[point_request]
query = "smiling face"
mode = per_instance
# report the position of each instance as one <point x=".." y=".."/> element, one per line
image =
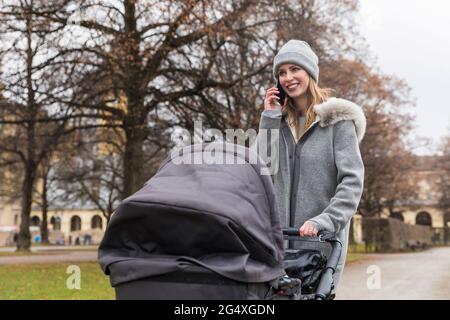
<point x="293" y="79"/>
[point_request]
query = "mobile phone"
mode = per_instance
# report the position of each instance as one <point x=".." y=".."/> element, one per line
<point x="282" y="94"/>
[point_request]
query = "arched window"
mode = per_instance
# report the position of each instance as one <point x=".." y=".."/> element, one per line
<point x="397" y="215"/>
<point x="423" y="218"/>
<point x="96" y="222"/>
<point x="35" y="221"/>
<point x="75" y="223"/>
<point x="16" y="219"/>
<point x="56" y="223"/>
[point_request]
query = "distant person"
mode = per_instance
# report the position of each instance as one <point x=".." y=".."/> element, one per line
<point x="87" y="240"/>
<point x="77" y="241"/>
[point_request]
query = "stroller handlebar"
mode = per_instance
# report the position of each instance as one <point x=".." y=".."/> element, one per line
<point x="322" y="235"/>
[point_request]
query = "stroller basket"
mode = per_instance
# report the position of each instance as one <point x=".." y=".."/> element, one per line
<point x="311" y="266"/>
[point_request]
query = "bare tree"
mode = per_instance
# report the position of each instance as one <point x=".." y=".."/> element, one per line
<point x="91" y="173"/>
<point x="46" y="194"/>
<point x="147" y="57"/>
<point x="388" y="108"/>
<point x="26" y="132"/>
<point x="240" y="64"/>
<point x="41" y="197"/>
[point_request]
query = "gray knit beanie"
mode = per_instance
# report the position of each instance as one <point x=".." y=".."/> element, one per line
<point x="300" y="53"/>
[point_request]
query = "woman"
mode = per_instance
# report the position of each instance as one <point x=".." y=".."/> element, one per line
<point x="319" y="179"/>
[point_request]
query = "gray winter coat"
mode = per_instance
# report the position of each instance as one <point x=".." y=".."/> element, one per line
<point x="321" y="177"/>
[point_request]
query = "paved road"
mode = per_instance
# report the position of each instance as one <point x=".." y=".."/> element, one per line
<point x="50" y="254"/>
<point x="51" y="248"/>
<point x="50" y="258"/>
<point x="404" y="276"/>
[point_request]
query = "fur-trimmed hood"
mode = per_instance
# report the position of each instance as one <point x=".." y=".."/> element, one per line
<point x="335" y="109"/>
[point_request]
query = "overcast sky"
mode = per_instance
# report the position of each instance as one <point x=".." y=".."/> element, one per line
<point x="411" y="39"/>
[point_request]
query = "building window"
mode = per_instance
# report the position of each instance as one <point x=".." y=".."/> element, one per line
<point x="35" y="221"/>
<point x="56" y="223"/>
<point x="75" y="223"/>
<point x="423" y="218"/>
<point x="16" y="219"/>
<point x="96" y="222"/>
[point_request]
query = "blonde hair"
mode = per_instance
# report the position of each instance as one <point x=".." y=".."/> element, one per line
<point x="315" y="95"/>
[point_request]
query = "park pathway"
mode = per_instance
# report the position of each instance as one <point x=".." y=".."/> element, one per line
<point x="402" y="276"/>
<point x="50" y="254"/>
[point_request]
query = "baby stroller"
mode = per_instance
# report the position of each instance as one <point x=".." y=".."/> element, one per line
<point x="205" y="227"/>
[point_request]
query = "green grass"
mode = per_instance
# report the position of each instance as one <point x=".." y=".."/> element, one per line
<point x="360" y="248"/>
<point x="351" y="257"/>
<point x="47" y="281"/>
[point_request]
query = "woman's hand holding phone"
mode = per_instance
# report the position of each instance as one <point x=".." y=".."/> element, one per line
<point x="271" y="100"/>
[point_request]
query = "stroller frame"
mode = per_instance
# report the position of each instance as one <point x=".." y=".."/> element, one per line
<point x="324" y="290"/>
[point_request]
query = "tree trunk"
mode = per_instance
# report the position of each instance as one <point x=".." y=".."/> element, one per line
<point x="135" y="121"/>
<point x="44" y="225"/>
<point x="133" y="160"/>
<point x="351" y="239"/>
<point x="24" y="240"/>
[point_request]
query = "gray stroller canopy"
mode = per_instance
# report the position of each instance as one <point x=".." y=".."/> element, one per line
<point x="218" y="216"/>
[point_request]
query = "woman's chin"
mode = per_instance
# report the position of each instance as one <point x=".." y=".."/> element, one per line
<point x="296" y="94"/>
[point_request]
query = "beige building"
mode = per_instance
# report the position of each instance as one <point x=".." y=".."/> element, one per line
<point x="64" y="225"/>
<point x="68" y="226"/>
<point x="426" y="209"/>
